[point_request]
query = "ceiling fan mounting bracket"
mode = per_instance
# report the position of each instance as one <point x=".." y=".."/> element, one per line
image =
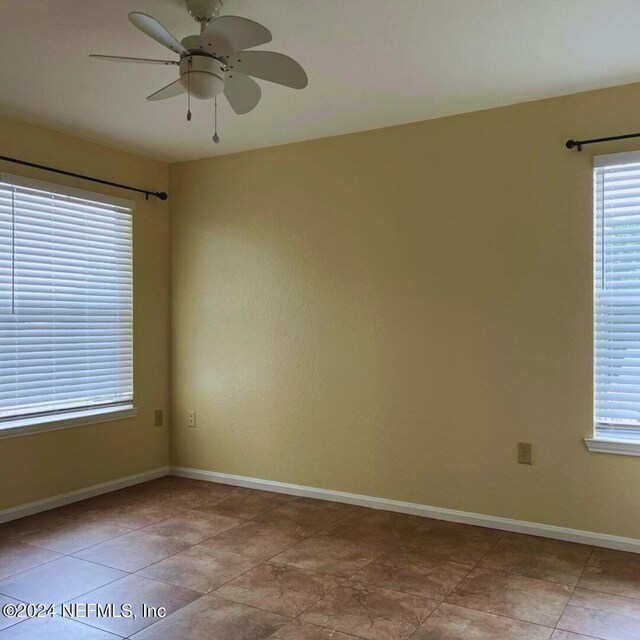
<point x="204" y="11"/>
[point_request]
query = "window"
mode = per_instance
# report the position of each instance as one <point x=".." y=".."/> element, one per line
<point x="617" y="298"/>
<point x="65" y="303"/>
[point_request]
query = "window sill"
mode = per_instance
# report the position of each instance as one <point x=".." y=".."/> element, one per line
<point x="30" y="426"/>
<point x="613" y="445"/>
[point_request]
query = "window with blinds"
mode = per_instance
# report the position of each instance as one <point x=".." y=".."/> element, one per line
<point x="617" y="296"/>
<point x="65" y="301"/>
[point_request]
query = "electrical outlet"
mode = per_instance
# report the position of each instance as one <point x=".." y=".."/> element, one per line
<point x="191" y="419"/>
<point x="525" y="453"/>
<point x="158" y="418"/>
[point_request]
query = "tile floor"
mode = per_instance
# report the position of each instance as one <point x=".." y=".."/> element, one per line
<point x="237" y="564"/>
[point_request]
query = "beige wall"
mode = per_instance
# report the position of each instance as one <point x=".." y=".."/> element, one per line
<point x="388" y="312"/>
<point x="47" y="464"/>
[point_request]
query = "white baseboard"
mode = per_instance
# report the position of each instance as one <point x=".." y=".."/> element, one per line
<point x="438" y="513"/>
<point x="79" y="494"/>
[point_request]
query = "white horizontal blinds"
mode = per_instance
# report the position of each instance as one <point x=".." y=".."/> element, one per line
<point x="65" y="302"/>
<point x="617" y="297"/>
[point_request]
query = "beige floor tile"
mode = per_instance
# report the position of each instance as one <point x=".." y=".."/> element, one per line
<point x="7" y="621"/>
<point x="410" y="571"/>
<point x="186" y="493"/>
<point x="450" y="541"/>
<point x="58" y="581"/>
<point x="199" y="568"/>
<point x="136" y="591"/>
<point x="513" y="596"/>
<point x="128" y="515"/>
<point x="55" y="629"/>
<point x="466" y="532"/>
<point x="257" y="540"/>
<point x="278" y="588"/>
<point x="567" y="635"/>
<point x="450" y="622"/>
<point x="189" y="499"/>
<point x="211" y="618"/>
<point x="133" y="551"/>
<point x="303" y="631"/>
<point x="613" y="572"/>
<point x="602" y="616"/>
<point x="376" y="527"/>
<point x="74" y="535"/>
<point x="31" y="524"/>
<point x="247" y="504"/>
<point x="538" y="558"/>
<point x="16" y="556"/>
<point x="328" y="555"/>
<point x="370" y="612"/>
<point x="193" y="527"/>
<point x="308" y="516"/>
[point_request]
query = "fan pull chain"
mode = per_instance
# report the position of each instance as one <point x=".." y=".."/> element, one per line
<point x="189" y="92"/>
<point x="216" y="137"/>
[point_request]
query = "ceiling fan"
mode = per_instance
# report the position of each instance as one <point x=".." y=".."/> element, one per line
<point x="218" y="60"/>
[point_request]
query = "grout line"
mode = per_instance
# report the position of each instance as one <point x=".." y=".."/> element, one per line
<point x="90" y="626"/>
<point x="522" y="575"/>
<point x="500" y="615"/>
<point x="70" y="554"/>
<point x="420" y="625"/>
<point x="6" y="595"/>
<point x="573" y="588"/>
<point x="492" y="613"/>
<point x="17" y="573"/>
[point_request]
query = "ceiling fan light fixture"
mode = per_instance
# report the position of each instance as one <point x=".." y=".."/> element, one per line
<point x="202" y="76"/>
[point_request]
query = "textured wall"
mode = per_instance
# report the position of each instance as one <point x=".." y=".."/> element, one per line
<point x="388" y="312"/>
<point x="47" y="464"/>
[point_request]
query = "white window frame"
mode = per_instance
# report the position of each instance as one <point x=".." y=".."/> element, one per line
<point x="30" y="425"/>
<point x="608" y="440"/>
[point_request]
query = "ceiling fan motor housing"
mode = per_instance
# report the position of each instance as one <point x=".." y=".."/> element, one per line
<point x="204" y="10"/>
<point x="202" y="75"/>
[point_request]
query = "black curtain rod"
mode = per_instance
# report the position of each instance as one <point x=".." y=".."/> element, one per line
<point x="158" y="194"/>
<point x="572" y="144"/>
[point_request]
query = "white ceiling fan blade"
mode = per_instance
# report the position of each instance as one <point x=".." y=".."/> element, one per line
<point x="232" y="33"/>
<point x="151" y="27"/>
<point x="271" y="66"/>
<point x="170" y="91"/>
<point x="243" y="92"/>
<point x="138" y="60"/>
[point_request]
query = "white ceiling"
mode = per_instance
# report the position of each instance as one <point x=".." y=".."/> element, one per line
<point x="371" y="63"/>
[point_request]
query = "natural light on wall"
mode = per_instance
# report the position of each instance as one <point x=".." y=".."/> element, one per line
<point x="66" y="301"/>
<point x="617" y="297"/>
